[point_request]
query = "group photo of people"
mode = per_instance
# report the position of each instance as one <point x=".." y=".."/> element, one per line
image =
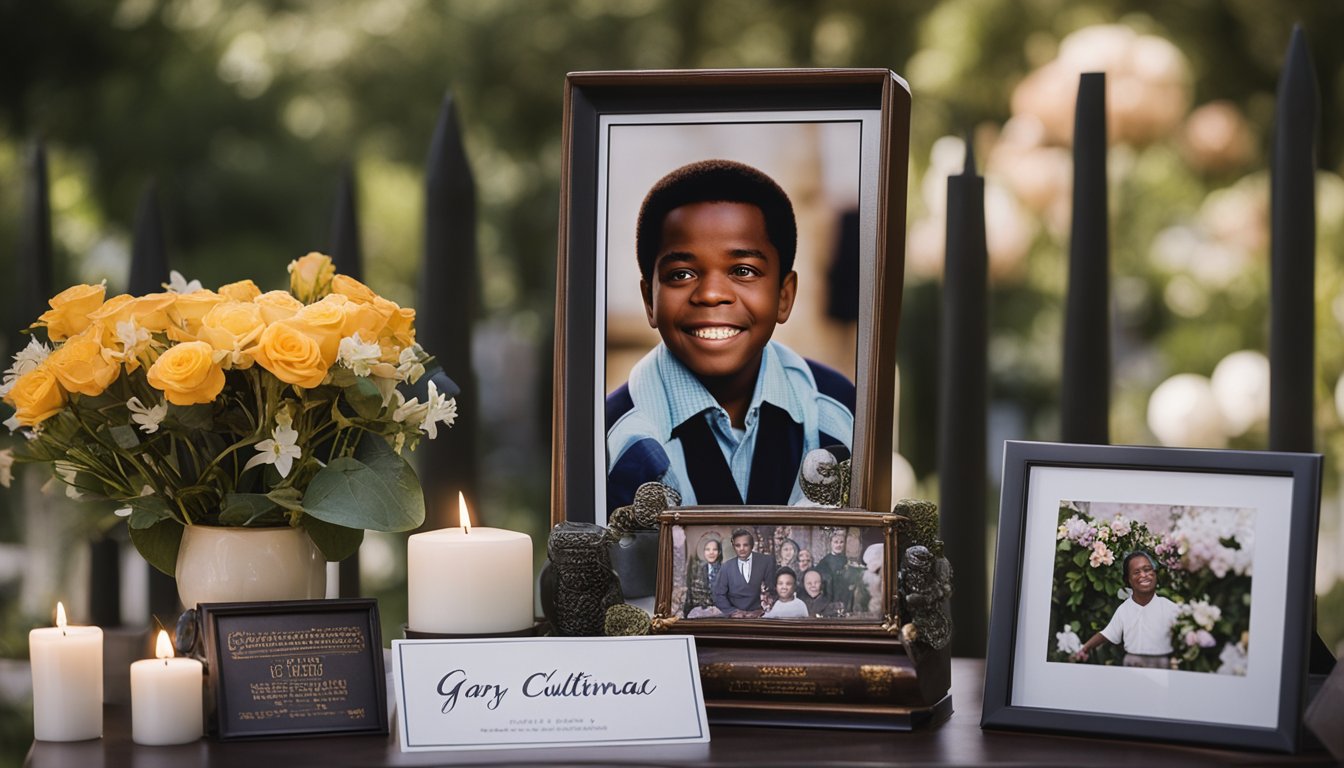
<point x="777" y="572"/>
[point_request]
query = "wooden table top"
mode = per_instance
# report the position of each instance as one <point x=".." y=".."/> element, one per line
<point x="957" y="741"/>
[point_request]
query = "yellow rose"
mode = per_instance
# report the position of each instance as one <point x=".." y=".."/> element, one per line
<point x="400" y="326"/>
<point x="187" y="374"/>
<point x="36" y="396"/>
<point x="292" y="355"/>
<point x="363" y="319"/>
<point x="277" y="305"/>
<point x="243" y="290"/>
<point x="187" y="312"/>
<point x="353" y="289"/>
<point x="151" y="311"/>
<point x="323" y="320"/>
<point x="69" y="313"/>
<point x="113" y="311"/>
<point x="310" y="277"/>
<point x="232" y="327"/>
<point x="79" y="364"/>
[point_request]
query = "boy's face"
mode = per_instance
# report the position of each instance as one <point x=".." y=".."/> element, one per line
<point x="837" y="543"/>
<point x="784" y="587"/>
<point x="742" y="546"/>
<point x="1142" y="576"/>
<point x="804" y="559"/>
<point x="711" y="551"/>
<point x="717" y="291"/>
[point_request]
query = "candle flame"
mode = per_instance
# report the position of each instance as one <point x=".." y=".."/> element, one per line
<point x="462" y="510"/>
<point x="60" y="615"/>
<point x="163" y="647"/>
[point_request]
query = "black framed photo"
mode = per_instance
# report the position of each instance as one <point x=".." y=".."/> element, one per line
<point x="295" y="668"/>
<point x="730" y="269"/>
<point x="756" y="574"/>
<point x="1153" y="593"/>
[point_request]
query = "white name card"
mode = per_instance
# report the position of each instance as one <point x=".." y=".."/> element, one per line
<point x="547" y="692"/>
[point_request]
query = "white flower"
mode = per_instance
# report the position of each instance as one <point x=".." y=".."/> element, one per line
<point x="440" y="409"/>
<point x="68" y="473"/>
<point x="178" y="284"/>
<point x="1121" y="525"/>
<point x="279" y="451"/>
<point x="1205" y="614"/>
<point x="132" y="338"/>
<point x="408" y="411"/>
<point x="1234" y="660"/>
<point x="6" y="467"/>
<point x="358" y="355"/>
<point x="1068" y="641"/>
<point x="25" y="360"/>
<point x="125" y="511"/>
<point x="147" y="417"/>
<point x="409" y="367"/>
<point x="1101" y="555"/>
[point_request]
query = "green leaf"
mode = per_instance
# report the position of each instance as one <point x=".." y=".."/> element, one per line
<point x="149" y="511"/>
<point x="125" y="436"/>
<point x="364" y="397"/>
<point x="1064" y="545"/>
<point x="158" y="544"/>
<point x="250" y="509"/>
<point x="191" y="417"/>
<point x="376" y="489"/>
<point x="288" y="498"/>
<point x="337" y="542"/>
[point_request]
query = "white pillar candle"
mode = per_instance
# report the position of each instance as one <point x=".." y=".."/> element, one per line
<point x="469" y="581"/>
<point x="166" y="698"/>
<point x="67" y="681"/>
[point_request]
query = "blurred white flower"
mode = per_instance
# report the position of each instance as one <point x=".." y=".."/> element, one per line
<point x="1067" y="641"/>
<point x="1234" y="659"/>
<point x="148" y="417"/>
<point x="358" y="355"/>
<point x="1217" y="137"/>
<point x="1182" y="412"/>
<point x="1101" y="555"/>
<point x="1240" y="384"/>
<point x="25" y="360"/>
<point x="179" y="284"/>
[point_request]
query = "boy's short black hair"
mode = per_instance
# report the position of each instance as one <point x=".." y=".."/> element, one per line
<point x="1124" y="566"/>
<point x="715" y="181"/>
<point x="786" y="571"/>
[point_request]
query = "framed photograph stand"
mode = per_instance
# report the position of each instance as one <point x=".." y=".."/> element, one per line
<point x="828" y="650"/>
<point x="1153" y="594"/>
<point x="295" y="668"/>
<point x="834" y="145"/>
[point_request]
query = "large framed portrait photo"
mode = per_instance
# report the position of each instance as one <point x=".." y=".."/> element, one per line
<point x="1153" y="593"/>
<point x="720" y="230"/>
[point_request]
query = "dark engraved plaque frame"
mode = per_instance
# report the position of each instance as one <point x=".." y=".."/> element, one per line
<point x="325" y="650"/>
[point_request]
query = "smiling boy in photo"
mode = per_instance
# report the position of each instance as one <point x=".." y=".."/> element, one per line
<point x="717" y="410"/>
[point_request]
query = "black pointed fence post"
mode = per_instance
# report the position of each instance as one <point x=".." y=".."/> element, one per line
<point x="1085" y="377"/>
<point x="346" y="255"/>
<point x="149" y="271"/>
<point x="344" y="241"/>
<point x="446" y="308"/>
<point x="962" y="404"/>
<point x="1292" y="256"/>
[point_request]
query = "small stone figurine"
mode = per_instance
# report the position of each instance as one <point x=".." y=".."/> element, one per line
<point x="578" y="584"/>
<point x="926" y="584"/>
<point x="651" y="499"/>
<point x="824" y="476"/>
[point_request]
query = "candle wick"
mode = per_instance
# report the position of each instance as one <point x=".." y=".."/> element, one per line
<point x="63" y="633"/>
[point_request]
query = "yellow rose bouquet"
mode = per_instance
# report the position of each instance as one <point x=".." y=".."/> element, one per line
<point x="233" y="407"/>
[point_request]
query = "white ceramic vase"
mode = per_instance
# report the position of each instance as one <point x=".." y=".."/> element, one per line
<point x="225" y="565"/>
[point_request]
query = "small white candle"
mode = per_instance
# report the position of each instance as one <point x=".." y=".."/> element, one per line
<point x="166" y="698"/>
<point x="67" y="681"/>
<point x="469" y="581"/>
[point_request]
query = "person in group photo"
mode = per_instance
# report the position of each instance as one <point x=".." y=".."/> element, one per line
<point x="804" y="560"/>
<point x="717" y="410"/>
<point x="813" y="592"/>
<point x="1142" y="624"/>
<point x="744" y="580"/>
<point x="787" y="604"/>
<point x="701" y="573"/>
<point x="786" y="552"/>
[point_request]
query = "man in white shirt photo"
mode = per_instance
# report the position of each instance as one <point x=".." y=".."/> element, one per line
<point x="1142" y="624"/>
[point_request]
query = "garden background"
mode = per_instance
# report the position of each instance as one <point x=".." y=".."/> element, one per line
<point x="246" y="114"/>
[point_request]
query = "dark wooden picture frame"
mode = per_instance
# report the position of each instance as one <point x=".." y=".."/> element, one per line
<point x="347" y="665"/>
<point x="871" y="527"/>
<point x="578" y="467"/>
<point x="1259" y="709"/>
